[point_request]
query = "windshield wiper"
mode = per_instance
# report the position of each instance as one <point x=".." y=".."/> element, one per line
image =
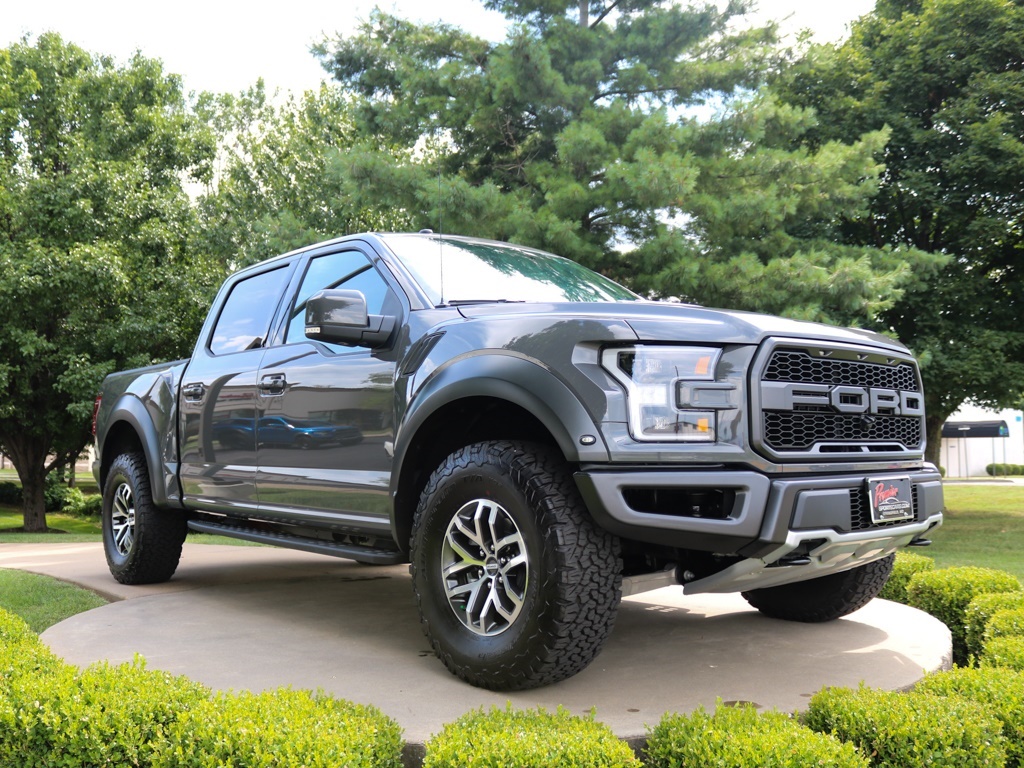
<point x="465" y="302"/>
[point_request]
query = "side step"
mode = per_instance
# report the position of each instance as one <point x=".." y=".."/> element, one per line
<point x="372" y="555"/>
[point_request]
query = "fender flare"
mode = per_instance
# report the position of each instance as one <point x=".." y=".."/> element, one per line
<point x="130" y="410"/>
<point x="515" y="379"/>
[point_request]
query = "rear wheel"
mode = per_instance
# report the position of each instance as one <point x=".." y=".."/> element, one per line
<point x="142" y="542"/>
<point x="516" y="586"/>
<point x="825" y="598"/>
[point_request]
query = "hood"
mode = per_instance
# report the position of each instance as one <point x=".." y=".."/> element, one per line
<point x="659" y="321"/>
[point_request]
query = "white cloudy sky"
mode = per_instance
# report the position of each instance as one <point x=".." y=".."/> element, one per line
<point x="225" y="46"/>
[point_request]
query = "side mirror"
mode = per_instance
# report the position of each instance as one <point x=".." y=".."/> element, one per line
<point x="340" y="317"/>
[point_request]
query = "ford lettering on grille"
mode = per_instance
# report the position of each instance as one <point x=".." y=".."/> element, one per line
<point x="825" y="401"/>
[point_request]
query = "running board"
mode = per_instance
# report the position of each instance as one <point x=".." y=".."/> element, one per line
<point x="371" y="555"/>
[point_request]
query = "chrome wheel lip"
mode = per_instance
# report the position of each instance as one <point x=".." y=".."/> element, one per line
<point x="122" y="520"/>
<point x="485" y="568"/>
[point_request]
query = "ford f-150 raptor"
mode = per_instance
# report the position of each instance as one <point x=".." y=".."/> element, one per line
<point x="534" y="439"/>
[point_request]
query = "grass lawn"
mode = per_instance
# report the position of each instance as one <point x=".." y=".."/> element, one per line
<point x="43" y="601"/>
<point x="984" y="525"/>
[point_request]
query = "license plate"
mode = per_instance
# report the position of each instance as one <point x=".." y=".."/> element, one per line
<point x="890" y="499"/>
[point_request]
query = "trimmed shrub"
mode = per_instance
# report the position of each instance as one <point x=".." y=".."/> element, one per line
<point x="1000" y="691"/>
<point x="897" y="730"/>
<point x="947" y="592"/>
<point x="10" y="493"/>
<point x="741" y="738"/>
<point x="78" y="504"/>
<point x="1008" y="622"/>
<point x="1006" y="652"/>
<point x="980" y="610"/>
<point x="105" y="715"/>
<point x="527" y="739"/>
<point x="1001" y="470"/>
<point x="281" y="729"/>
<point x="903" y="569"/>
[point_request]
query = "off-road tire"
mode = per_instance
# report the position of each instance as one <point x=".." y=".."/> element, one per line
<point x="152" y="553"/>
<point x="571" y="578"/>
<point x="825" y="598"/>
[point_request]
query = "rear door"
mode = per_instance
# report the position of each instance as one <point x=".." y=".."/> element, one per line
<point x="325" y="426"/>
<point x="218" y="396"/>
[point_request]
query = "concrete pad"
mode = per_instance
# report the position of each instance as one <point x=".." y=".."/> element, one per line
<point x="257" y="618"/>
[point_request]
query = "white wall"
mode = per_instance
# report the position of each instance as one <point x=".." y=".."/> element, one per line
<point x="968" y="457"/>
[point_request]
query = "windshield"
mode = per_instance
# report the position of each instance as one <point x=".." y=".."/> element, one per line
<point x="455" y="270"/>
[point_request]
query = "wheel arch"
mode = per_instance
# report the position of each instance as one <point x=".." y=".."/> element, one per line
<point x="492" y="397"/>
<point x="131" y="429"/>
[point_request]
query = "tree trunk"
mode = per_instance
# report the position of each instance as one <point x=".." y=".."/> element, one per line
<point x="28" y="455"/>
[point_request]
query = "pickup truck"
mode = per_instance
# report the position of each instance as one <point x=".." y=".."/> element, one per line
<point x="535" y="440"/>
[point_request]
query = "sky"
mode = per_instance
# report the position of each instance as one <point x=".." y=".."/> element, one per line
<point x="216" y="47"/>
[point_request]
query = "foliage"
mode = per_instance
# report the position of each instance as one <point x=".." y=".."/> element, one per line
<point x="627" y="136"/>
<point x="526" y="739"/>
<point x="1008" y="622"/>
<point x="279" y="184"/>
<point x="281" y="729"/>
<point x="1005" y="652"/>
<point x="947" y="78"/>
<point x="999" y="691"/>
<point x="10" y="493"/>
<point x="902" y="729"/>
<point x="1002" y="470"/>
<point x="903" y="569"/>
<point x="980" y="610"/>
<point x="947" y="592"/>
<point x="741" y="738"/>
<point x="95" y="271"/>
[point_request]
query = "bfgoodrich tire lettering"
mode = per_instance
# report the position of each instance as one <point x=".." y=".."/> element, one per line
<point x="825" y="598"/>
<point x="142" y="542"/>
<point x="516" y="586"/>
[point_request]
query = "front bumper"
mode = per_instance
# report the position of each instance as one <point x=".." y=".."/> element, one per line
<point x="759" y="519"/>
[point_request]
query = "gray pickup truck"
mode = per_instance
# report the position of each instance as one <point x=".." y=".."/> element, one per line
<point x="534" y="439"/>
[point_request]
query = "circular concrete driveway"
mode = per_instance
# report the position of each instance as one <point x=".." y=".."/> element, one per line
<point x="256" y="618"/>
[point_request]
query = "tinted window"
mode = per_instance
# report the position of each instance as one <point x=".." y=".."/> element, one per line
<point x="349" y="270"/>
<point x="453" y="270"/>
<point x="246" y="316"/>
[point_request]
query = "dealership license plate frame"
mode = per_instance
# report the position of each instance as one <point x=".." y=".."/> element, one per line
<point x="891" y="499"/>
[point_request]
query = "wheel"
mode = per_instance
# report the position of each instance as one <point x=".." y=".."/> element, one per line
<point x="517" y="587"/>
<point x="825" y="598"/>
<point x="141" y="541"/>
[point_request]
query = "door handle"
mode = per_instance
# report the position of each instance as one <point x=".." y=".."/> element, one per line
<point x="193" y="392"/>
<point x="273" y="384"/>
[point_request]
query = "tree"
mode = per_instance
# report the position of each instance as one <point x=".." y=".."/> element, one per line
<point x="95" y="272"/>
<point x="277" y="186"/>
<point x="628" y="135"/>
<point x="947" y="77"/>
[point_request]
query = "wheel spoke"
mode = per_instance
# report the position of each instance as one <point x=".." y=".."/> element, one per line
<point x="484" y="567"/>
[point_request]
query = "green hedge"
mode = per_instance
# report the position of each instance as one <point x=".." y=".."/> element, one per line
<point x="10" y="493"/>
<point x="1000" y="691"/>
<point x="1002" y="470"/>
<point x="741" y="738"/>
<point x="1008" y="622"/>
<point x="898" y="730"/>
<point x="906" y="565"/>
<point x="280" y="729"/>
<point x="978" y="613"/>
<point x="527" y="739"/>
<point x="947" y="592"/>
<point x="1005" y="652"/>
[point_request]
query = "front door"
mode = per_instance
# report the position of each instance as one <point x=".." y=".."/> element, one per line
<point x="325" y="412"/>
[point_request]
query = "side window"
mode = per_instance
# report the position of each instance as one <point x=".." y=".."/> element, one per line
<point x="349" y="270"/>
<point x="245" y="318"/>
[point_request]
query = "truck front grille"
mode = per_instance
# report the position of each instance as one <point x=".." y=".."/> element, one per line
<point x="833" y="401"/>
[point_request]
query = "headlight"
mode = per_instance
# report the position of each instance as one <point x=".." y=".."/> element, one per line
<point x="654" y="377"/>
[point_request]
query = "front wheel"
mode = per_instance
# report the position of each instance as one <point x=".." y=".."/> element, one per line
<point x="825" y="598"/>
<point x="142" y="543"/>
<point x="516" y="585"/>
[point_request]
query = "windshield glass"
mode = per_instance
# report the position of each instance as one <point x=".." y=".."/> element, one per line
<point x="452" y="270"/>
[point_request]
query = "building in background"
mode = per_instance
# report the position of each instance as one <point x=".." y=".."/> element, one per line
<point x="975" y="437"/>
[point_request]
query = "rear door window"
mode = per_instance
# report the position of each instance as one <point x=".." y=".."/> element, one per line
<point x="245" y="319"/>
